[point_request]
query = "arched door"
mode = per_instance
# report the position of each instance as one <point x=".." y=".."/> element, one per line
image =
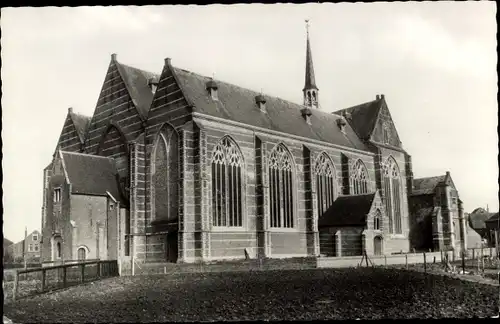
<point x="82" y="254"/>
<point x="377" y="245"/>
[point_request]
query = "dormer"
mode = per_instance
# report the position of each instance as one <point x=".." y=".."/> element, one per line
<point x="306" y="114"/>
<point x="341" y="124"/>
<point x="153" y="84"/>
<point x="260" y="100"/>
<point x="212" y="87"/>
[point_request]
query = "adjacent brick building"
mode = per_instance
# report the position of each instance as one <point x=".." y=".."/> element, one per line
<point x="197" y="169"/>
<point x="28" y="250"/>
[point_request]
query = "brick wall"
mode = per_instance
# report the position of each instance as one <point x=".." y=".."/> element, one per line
<point x="87" y="212"/>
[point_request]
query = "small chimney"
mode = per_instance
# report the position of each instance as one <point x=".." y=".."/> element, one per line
<point x="168" y="61"/>
<point x="341" y="124"/>
<point x="70" y="109"/>
<point x="382" y="96"/>
<point x="306" y="113"/>
<point x="260" y="100"/>
<point x="212" y="88"/>
<point x="377" y="97"/>
<point x="113" y="57"/>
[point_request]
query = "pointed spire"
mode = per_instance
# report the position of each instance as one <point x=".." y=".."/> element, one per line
<point x="310" y="82"/>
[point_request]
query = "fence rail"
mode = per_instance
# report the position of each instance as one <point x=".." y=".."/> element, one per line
<point x="47" y="278"/>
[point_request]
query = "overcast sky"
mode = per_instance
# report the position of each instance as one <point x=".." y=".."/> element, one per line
<point x="434" y="61"/>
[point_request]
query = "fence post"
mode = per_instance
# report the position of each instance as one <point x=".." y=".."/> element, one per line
<point x="43" y="280"/>
<point x="406" y="261"/>
<point x="453" y="254"/>
<point x="82" y="272"/>
<point x="473" y="254"/>
<point x="64" y="276"/>
<point x="16" y="282"/>
<point x="385" y="260"/>
<point x="463" y="262"/>
<point x="98" y="269"/>
<point x="425" y="263"/>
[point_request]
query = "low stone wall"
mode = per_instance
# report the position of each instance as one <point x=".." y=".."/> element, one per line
<point x="380" y="260"/>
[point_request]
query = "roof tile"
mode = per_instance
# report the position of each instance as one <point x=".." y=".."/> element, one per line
<point x="238" y="104"/>
<point x="91" y="174"/>
<point x="348" y="211"/>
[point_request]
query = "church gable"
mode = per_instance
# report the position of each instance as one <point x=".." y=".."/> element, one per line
<point x="168" y="104"/>
<point x="123" y="100"/>
<point x="384" y="130"/>
<point x="72" y="134"/>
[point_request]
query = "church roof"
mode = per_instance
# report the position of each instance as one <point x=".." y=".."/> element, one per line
<point x="238" y="104"/>
<point x="81" y="123"/>
<point x="426" y="186"/>
<point x="137" y="83"/>
<point x="91" y="174"/>
<point x="363" y="117"/>
<point x="348" y="211"/>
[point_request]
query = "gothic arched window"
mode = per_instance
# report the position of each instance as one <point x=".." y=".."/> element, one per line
<point x="392" y="193"/>
<point x="326" y="185"/>
<point x="377" y="220"/>
<point x="226" y="184"/>
<point x="166" y="175"/>
<point x="359" y="179"/>
<point x="281" y="177"/>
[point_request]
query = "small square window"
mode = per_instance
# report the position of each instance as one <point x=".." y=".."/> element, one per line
<point x="30" y="248"/>
<point x="36" y="247"/>
<point x="111" y="206"/>
<point x="35" y="237"/>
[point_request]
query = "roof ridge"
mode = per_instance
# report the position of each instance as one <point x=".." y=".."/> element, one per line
<point x="86" y="154"/>
<point x="135" y="68"/>
<point x="356" y="106"/>
<point x="430" y="177"/>
<point x="251" y="90"/>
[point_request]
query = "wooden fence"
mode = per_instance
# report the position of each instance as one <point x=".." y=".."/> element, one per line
<point x="39" y="280"/>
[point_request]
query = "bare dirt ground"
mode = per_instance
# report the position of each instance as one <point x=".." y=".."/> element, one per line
<point x="365" y="293"/>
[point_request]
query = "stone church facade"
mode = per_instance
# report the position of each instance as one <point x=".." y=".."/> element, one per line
<point x="180" y="167"/>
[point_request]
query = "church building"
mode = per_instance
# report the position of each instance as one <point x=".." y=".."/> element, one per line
<point x="180" y="167"/>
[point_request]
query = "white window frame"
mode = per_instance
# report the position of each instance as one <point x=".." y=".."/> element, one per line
<point x="279" y="165"/>
<point x="229" y="154"/>
<point x="57" y="194"/>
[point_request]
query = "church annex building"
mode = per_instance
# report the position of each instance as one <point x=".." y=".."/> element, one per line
<point x="179" y="167"/>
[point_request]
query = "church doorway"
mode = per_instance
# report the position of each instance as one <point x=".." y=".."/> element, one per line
<point x="171" y="247"/>
<point x="377" y="245"/>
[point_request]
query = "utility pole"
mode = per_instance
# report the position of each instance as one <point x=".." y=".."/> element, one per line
<point x="24" y="246"/>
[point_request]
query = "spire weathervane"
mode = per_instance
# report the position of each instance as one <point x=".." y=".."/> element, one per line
<point x="307" y="27"/>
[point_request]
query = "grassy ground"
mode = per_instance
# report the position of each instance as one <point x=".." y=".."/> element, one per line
<point x="365" y="293"/>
